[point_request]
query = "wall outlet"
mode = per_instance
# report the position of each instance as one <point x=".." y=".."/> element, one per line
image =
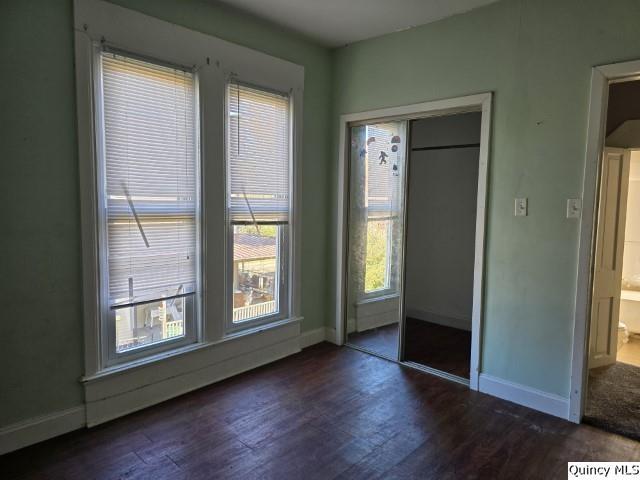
<point x="574" y="207"/>
<point x="521" y="207"/>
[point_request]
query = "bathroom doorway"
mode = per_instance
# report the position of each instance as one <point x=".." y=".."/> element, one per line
<point x="613" y="361"/>
<point x="382" y="277"/>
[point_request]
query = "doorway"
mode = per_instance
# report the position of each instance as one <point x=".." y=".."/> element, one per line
<point x="384" y="280"/>
<point x="605" y="383"/>
<point x="613" y="382"/>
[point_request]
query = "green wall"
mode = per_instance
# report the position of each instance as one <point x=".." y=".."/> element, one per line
<point x="536" y="56"/>
<point x="40" y="285"/>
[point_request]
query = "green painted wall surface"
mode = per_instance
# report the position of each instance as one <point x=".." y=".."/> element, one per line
<point x="536" y="55"/>
<point x="41" y="285"/>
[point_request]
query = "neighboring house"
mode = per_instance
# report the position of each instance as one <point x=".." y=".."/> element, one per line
<point x="254" y="280"/>
<point x="254" y="275"/>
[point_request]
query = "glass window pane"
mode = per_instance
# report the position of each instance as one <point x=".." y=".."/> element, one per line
<point x="256" y="260"/>
<point x="149" y="323"/>
<point x="376" y="275"/>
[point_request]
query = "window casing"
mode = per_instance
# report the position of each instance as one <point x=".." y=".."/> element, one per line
<point x="100" y="25"/>
<point x="258" y="152"/>
<point x="148" y="179"/>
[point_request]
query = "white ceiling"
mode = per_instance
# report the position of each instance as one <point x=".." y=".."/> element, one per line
<point x="338" y="22"/>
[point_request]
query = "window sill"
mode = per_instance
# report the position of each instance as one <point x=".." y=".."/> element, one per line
<point x="133" y="365"/>
<point x="239" y="332"/>
<point x="379" y="298"/>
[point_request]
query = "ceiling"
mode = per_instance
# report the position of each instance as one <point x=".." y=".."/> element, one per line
<point x="336" y="23"/>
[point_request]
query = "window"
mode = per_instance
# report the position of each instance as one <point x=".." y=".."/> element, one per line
<point x="258" y="202"/>
<point x="377" y="256"/>
<point x="149" y="204"/>
<point x="189" y="200"/>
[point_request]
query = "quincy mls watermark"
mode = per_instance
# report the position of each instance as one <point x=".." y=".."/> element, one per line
<point x="600" y="470"/>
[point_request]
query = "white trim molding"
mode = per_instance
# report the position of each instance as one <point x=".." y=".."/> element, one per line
<point x="319" y="335"/>
<point x="38" y="429"/>
<point x="601" y="77"/>
<point x="312" y="337"/>
<point x="523" y="395"/>
<point x="472" y="103"/>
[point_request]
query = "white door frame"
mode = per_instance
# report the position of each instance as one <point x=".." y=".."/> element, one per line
<point x="601" y="77"/>
<point x="480" y="102"/>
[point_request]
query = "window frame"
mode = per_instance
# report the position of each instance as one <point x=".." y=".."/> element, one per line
<point x="284" y="239"/>
<point x="214" y="60"/>
<point x="109" y="354"/>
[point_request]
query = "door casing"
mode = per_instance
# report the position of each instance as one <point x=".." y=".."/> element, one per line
<point x="601" y="77"/>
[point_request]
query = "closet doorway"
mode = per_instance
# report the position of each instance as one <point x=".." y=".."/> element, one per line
<point x="412" y="193"/>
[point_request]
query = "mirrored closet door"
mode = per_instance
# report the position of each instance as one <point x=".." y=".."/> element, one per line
<point x="442" y="196"/>
<point x="377" y="164"/>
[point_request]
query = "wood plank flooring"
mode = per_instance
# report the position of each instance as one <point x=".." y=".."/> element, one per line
<point x="444" y="348"/>
<point x="325" y="413"/>
<point x="382" y="340"/>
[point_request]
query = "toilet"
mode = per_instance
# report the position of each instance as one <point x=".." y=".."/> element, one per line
<point x="623" y="334"/>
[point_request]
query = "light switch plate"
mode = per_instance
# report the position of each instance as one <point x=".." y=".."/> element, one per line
<point x="521" y="207"/>
<point x="574" y="207"/>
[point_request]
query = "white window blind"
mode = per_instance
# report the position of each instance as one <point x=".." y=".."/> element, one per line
<point x="150" y="179"/>
<point x="258" y="154"/>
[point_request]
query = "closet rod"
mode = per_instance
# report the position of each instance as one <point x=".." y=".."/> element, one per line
<point x="443" y="147"/>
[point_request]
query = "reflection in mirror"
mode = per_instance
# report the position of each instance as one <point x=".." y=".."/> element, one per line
<point x="440" y="244"/>
<point x="375" y="236"/>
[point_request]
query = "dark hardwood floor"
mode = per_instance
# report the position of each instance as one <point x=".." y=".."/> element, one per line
<point x="325" y="413"/>
<point x="381" y="340"/>
<point x="444" y="348"/>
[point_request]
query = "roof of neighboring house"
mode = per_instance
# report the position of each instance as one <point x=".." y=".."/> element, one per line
<point x="253" y="247"/>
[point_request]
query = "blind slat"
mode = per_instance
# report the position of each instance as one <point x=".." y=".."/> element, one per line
<point x="150" y="163"/>
<point x="258" y="154"/>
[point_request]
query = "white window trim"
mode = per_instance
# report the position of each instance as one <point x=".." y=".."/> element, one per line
<point x="285" y="242"/>
<point x="109" y="356"/>
<point x="99" y="21"/>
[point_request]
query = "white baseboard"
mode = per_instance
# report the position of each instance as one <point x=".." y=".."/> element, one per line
<point x="376" y="321"/>
<point x="34" y="430"/>
<point x="522" y="395"/>
<point x="312" y="337"/>
<point x="324" y="334"/>
<point x="376" y="312"/>
<point x="454" y="321"/>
